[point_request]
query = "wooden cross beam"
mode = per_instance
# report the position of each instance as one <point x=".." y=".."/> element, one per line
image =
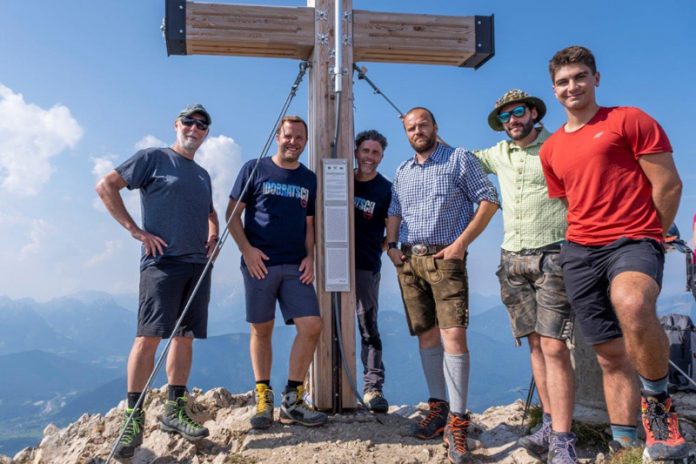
<point x="307" y="33"/>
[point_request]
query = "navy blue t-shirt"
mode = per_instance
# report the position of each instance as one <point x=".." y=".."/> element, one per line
<point x="278" y="202"/>
<point x="371" y="200"/>
<point x="176" y="199"/>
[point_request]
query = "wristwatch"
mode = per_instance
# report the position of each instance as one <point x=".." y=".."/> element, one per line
<point x="391" y="245"/>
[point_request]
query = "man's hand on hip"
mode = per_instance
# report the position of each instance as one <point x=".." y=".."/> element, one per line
<point x="396" y="256"/>
<point x="254" y="260"/>
<point x="452" y="251"/>
<point x="153" y="244"/>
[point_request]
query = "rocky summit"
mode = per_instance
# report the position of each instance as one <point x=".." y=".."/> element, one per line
<point x="354" y="438"/>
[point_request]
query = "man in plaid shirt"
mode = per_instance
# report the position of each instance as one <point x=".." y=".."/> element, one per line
<point x="432" y="216"/>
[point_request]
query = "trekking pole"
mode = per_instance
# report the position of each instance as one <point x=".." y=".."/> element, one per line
<point x="304" y="65"/>
<point x="528" y="402"/>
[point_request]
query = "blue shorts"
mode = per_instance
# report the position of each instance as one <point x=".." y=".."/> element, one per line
<point x="588" y="272"/>
<point x="165" y="288"/>
<point x="281" y="284"/>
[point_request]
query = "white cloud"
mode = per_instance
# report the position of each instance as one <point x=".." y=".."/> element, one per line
<point x="110" y="248"/>
<point x="103" y="165"/>
<point x="221" y="156"/>
<point x="37" y="233"/>
<point x="149" y="141"/>
<point x="31" y="136"/>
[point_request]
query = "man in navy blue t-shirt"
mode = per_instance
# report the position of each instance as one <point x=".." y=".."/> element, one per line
<point x="178" y="234"/>
<point x="372" y="198"/>
<point x="278" y="197"/>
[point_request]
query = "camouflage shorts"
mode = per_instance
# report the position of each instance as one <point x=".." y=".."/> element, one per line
<point x="435" y="293"/>
<point x="532" y="289"/>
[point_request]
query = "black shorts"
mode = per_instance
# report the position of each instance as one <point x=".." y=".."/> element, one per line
<point x="165" y="288"/>
<point x="588" y="272"/>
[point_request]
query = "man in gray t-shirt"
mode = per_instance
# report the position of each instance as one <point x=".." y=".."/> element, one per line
<point x="178" y="233"/>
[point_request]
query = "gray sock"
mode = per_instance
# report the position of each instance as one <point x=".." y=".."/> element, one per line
<point x="457" y="376"/>
<point x="431" y="359"/>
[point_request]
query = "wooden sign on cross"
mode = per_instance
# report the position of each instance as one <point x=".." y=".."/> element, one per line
<point x="307" y="33"/>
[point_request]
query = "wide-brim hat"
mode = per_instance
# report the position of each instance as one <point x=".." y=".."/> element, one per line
<point x="515" y="96"/>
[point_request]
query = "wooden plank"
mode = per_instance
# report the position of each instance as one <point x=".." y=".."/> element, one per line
<point x="322" y="108"/>
<point x="244" y="30"/>
<point x="412" y="38"/>
<point x="346" y="149"/>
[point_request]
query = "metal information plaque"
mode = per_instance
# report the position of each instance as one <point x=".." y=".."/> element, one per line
<point x="336" y="233"/>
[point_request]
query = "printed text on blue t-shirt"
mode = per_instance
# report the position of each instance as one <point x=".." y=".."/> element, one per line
<point x="288" y="191"/>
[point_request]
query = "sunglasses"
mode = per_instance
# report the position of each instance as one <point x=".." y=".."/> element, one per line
<point x="517" y="112"/>
<point x="188" y="122"/>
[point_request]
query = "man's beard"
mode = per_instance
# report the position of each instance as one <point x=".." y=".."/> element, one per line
<point x="426" y="145"/>
<point x="526" y="130"/>
<point x="189" y="145"/>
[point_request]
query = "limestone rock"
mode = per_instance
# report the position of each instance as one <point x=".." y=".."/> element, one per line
<point x="357" y="437"/>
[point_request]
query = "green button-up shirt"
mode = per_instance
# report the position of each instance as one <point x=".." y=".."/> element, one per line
<point x="530" y="218"/>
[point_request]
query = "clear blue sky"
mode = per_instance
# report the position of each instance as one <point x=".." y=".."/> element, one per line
<point x="82" y="84"/>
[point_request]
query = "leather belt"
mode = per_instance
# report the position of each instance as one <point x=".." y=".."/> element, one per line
<point x="553" y="248"/>
<point x="419" y="249"/>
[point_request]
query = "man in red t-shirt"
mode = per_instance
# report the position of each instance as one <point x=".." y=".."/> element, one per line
<point x="613" y="167"/>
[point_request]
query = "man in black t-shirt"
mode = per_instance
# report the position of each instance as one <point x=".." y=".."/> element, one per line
<point x="372" y="198"/>
<point x="277" y="245"/>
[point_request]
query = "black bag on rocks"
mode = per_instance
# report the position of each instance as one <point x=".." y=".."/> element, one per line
<point x="681" y="333"/>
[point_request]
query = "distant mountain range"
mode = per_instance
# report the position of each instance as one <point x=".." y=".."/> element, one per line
<point x="65" y="357"/>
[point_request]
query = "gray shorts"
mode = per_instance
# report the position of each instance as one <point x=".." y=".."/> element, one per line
<point x="281" y="284"/>
<point x="532" y="289"/>
<point x="165" y="288"/>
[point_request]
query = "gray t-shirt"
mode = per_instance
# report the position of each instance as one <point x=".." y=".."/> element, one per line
<point x="176" y="199"/>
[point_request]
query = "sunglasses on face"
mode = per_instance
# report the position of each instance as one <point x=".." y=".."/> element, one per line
<point x="188" y="122"/>
<point x="517" y="112"/>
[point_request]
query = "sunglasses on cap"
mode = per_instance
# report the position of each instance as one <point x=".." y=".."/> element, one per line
<point x="517" y="112"/>
<point x="188" y="122"/>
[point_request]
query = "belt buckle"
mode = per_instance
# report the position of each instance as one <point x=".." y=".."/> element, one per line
<point x="419" y="250"/>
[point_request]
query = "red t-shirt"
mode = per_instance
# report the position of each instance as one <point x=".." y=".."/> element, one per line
<point x="596" y="168"/>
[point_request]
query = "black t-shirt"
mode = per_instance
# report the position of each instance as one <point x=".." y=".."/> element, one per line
<point x="278" y="202"/>
<point x="372" y="200"/>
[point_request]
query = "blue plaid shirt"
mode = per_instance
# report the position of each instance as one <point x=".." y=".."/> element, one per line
<point x="435" y="200"/>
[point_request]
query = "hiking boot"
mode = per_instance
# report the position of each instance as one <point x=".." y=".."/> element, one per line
<point x="375" y="401"/>
<point x="293" y="410"/>
<point x="562" y="448"/>
<point x="263" y="418"/>
<point x="176" y="419"/>
<point x="538" y="442"/>
<point x="433" y="424"/>
<point x="133" y="436"/>
<point x="455" y="434"/>
<point x="663" y="440"/>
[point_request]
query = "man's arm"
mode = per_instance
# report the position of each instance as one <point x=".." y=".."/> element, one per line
<point x="253" y="257"/>
<point x="478" y="223"/>
<point x="213" y="230"/>
<point x="307" y="264"/>
<point x="666" y="185"/>
<point x="396" y="256"/>
<point x="109" y="190"/>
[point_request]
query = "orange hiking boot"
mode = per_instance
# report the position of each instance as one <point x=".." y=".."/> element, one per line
<point x="456" y="432"/>
<point x="434" y="423"/>
<point x="663" y="440"/>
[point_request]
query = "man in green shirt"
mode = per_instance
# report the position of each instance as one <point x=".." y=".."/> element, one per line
<point x="531" y="279"/>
